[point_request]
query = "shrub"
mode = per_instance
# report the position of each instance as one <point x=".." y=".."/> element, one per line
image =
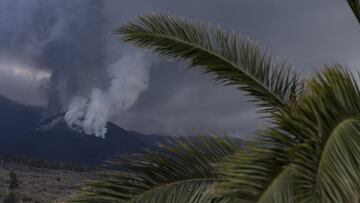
<point x="13" y="181"/>
<point x="10" y="198"/>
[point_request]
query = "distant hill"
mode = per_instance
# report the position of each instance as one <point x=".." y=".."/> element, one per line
<point x="22" y="132"/>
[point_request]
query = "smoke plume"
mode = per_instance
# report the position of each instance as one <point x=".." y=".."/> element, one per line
<point x="129" y="77"/>
<point x="63" y="53"/>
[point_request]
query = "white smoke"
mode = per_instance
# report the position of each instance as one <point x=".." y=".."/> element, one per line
<point x="129" y="78"/>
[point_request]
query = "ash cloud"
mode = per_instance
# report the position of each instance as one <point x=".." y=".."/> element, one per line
<point x="65" y="38"/>
<point x="71" y="42"/>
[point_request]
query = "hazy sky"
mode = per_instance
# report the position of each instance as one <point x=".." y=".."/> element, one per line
<point x="51" y="51"/>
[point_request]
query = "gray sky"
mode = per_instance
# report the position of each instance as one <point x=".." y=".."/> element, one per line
<point x="72" y="42"/>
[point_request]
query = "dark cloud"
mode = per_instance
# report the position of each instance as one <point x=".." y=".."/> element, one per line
<point x="66" y="38"/>
<point x="308" y="34"/>
<point x="77" y="56"/>
<point x="73" y="40"/>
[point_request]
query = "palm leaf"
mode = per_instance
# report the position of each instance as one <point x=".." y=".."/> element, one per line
<point x="257" y="174"/>
<point x="355" y="7"/>
<point x="326" y="163"/>
<point x="318" y="141"/>
<point x="183" y="171"/>
<point x="281" y="189"/>
<point x="231" y="59"/>
<point x="337" y="178"/>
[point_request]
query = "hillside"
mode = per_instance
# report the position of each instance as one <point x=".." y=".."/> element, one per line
<point x="23" y="131"/>
<point x="44" y="185"/>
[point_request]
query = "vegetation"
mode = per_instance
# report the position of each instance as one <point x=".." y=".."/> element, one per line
<point x="12" y="196"/>
<point x="41" y="184"/>
<point x="13" y="181"/>
<point x="7" y="161"/>
<point x="186" y="166"/>
<point x="310" y="152"/>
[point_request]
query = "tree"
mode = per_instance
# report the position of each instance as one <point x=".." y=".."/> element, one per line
<point x="181" y="171"/>
<point x="12" y="196"/>
<point x="13" y="181"/>
<point x="311" y="152"/>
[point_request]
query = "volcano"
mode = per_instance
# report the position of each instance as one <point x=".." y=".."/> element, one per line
<point x="23" y="131"/>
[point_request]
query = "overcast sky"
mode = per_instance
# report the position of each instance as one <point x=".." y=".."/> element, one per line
<point x="51" y="51"/>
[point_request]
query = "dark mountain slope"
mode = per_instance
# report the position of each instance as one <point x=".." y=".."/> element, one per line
<point x="22" y="133"/>
<point x="16" y="120"/>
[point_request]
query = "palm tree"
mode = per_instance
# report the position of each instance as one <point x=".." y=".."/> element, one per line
<point x="310" y="152"/>
<point x="184" y="170"/>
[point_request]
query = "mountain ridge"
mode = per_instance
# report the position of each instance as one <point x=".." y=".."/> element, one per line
<point x="25" y="132"/>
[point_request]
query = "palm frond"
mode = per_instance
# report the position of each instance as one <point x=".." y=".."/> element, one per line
<point x="260" y="172"/>
<point x="281" y="189"/>
<point x="182" y="171"/>
<point x="337" y="176"/>
<point x="179" y="192"/>
<point x="312" y="140"/>
<point x="326" y="161"/>
<point x="355" y="7"/>
<point x="230" y="58"/>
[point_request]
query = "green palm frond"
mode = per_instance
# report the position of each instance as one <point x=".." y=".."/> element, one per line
<point x="326" y="163"/>
<point x="334" y="173"/>
<point x="281" y="189"/>
<point x="312" y="153"/>
<point x="230" y="58"/>
<point x="258" y="173"/>
<point x="355" y="7"/>
<point x="182" y="171"/>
